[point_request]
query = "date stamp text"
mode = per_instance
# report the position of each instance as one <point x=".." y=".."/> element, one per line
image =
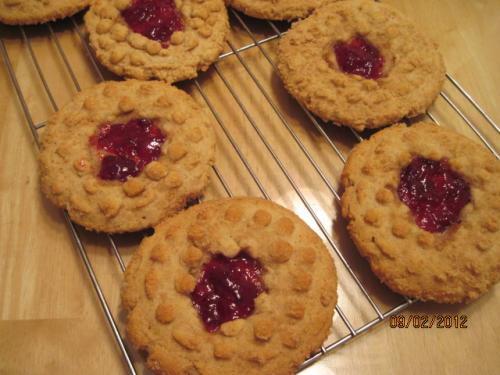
<point x="428" y="321"/>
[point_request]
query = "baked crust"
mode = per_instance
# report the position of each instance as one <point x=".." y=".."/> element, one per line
<point x="69" y="165"/>
<point x="414" y="71"/>
<point x="292" y="318"/>
<point x="31" y="12"/>
<point x="130" y="54"/>
<point x="458" y="265"/>
<point x="277" y="9"/>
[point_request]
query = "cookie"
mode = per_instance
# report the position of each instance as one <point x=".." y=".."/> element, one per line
<point x="277" y="9"/>
<point x="361" y="64"/>
<point x="422" y="206"/>
<point x="178" y="38"/>
<point x="123" y="155"/>
<point x="238" y="285"/>
<point x="31" y="12"/>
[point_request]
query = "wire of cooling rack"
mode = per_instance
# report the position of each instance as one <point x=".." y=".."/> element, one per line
<point x="237" y="52"/>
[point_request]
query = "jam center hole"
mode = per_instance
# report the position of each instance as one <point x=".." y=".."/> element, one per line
<point x="155" y="19"/>
<point x="227" y="288"/>
<point x="359" y="57"/>
<point x="434" y="193"/>
<point x="125" y="149"/>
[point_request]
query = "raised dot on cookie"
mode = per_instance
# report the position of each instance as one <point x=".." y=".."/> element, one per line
<point x="117" y="55"/>
<point x="401" y="229"/>
<point x="196" y="232"/>
<point x="234" y="213"/>
<point x="490" y="224"/>
<point x="90" y="185"/>
<point x="107" y="11"/>
<point x="185" y="336"/>
<point x="155" y="170"/>
<point x="153" y="48"/>
<point x="280" y="251"/>
<point x="263" y="328"/>
<point x="195" y="135"/>
<point x="284" y="226"/>
<point x="185" y="284"/>
<point x="137" y="41"/>
<point x="295" y="309"/>
<point x="133" y="187"/>
<point x="82" y="165"/>
<point x="326" y="298"/>
<point x="205" y="31"/>
<point x="165" y="313"/>
<point x="372" y="217"/>
<point x="223" y="350"/>
<point x="122" y="4"/>
<point x="147" y="197"/>
<point x="137" y="58"/>
<point x="159" y="253"/>
<point x="110" y="206"/>
<point x="177" y="38"/>
<point x="173" y="179"/>
<point x="386" y="247"/>
<point x="151" y="283"/>
<point x="262" y="218"/>
<point x="289" y="339"/>
<point x="126" y="104"/>
<point x="104" y="26"/>
<point x="232" y="328"/>
<point x="179" y="118"/>
<point x="384" y="196"/>
<point x="301" y="280"/>
<point x="176" y="151"/>
<point x="425" y="239"/>
<point x="119" y="32"/>
<point x="307" y="255"/>
<point x="191" y="256"/>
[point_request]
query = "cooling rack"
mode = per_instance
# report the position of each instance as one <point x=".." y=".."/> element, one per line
<point x="253" y="123"/>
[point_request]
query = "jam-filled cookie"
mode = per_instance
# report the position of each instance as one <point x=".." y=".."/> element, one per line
<point x="166" y="39"/>
<point x="422" y="206"/>
<point x="30" y="12"/>
<point x="277" y="9"/>
<point x="230" y="286"/>
<point x="123" y="155"/>
<point x="361" y="64"/>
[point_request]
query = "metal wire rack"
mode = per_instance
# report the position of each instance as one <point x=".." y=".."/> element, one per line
<point x="259" y="35"/>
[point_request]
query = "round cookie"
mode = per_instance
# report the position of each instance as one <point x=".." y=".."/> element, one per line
<point x="444" y="248"/>
<point x="121" y="156"/>
<point x="364" y="35"/>
<point x="30" y="12"/>
<point x="183" y="37"/>
<point x="292" y="316"/>
<point x="277" y="9"/>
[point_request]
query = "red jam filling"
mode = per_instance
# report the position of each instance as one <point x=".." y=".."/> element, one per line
<point x="359" y="57"/>
<point x="155" y="19"/>
<point x="434" y="193"/>
<point x="127" y="148"/>
<point x="227" y="288"/>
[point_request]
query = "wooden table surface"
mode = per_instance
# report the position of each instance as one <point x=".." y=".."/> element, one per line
<point x="50" y="318"/>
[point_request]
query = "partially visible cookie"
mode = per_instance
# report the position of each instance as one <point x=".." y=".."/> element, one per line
<point x="422" y="206"/>
<point x="230" y="286"/>
<point x="170" y="39"/>
<point x="123" y="155"/>
<point x="277" y="9"/>
<point x="30" y="12"/>
<point x="361" y="64"/>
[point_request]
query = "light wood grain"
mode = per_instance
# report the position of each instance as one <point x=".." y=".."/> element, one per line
<point x="50" y="319"/>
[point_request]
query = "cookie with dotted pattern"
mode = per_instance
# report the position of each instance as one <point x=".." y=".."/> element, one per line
<point x="411" y="69"/>
<point x="30" y="12"/>
<point x="291" y="318"/>
<point x="121" y="156"/>
<point x="182" y="38"/>
<point x="277" y="9"/>
<point x="411" y="250"/>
